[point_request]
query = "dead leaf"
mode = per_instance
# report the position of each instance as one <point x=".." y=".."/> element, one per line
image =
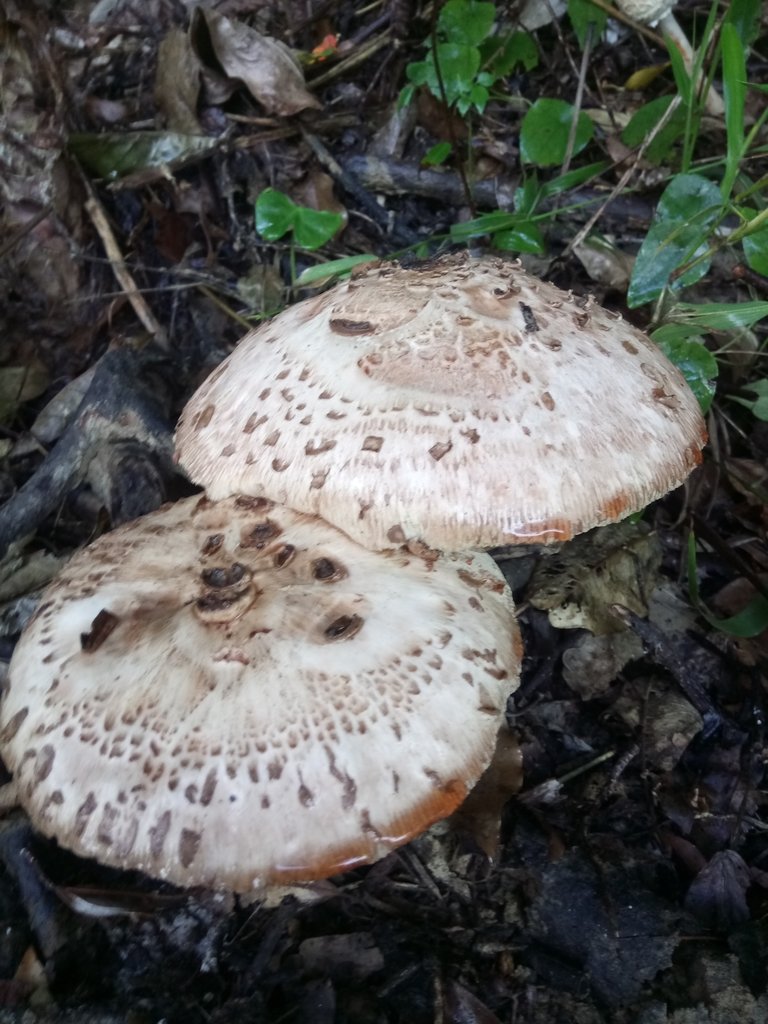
<point x="615" y="564"/>
<point x="316" y="192"/>
<point x="718" y="894"/>
<point x="592" y="664"/>
<point x="480" y="814"/>
<point x="605" y="262"/>
<point x="669" y="721"/>
<point x="19" y="384"/>
<point x="177" y="84"/>
<point x="265" y="66"/>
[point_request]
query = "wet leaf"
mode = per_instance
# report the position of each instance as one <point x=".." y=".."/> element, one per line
<point x="645" y="120"/>
<point x="583" y="13"/>
<point x="719" y="316"/>
<point x="265" y="66"/>
<point x="687" y="210"/>
<point x="756" y="246"/>
<point x="113" y="154"/>
<point x="545" y="130"/>
<point x="277" y="214"/>
<point x="692" y="358"/>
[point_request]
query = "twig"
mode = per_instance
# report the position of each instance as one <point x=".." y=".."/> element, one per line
<point x="99" y="219"/>
<point x="351" y="185"/>
<point x="578" y="100"/>
<point x="622" y="182"/>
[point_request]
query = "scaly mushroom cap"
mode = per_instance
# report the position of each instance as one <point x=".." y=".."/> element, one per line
<point x="234" y="694"/>
<point x="463" y="403"/>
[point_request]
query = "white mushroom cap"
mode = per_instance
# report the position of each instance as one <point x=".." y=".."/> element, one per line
<point x="647" y="11"/>
<point x="463" y="403"/>
<point x="233" y="694"/>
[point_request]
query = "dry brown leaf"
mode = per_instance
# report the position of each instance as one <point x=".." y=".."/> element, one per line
<point x="316" y="192"/>
<point x="480" y="814"/>
<point x="264" y="65"/>
<point x="177" y="84"/>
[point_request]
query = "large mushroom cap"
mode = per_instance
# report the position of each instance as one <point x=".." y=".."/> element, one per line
<point x="233" y="694"/>
<point x="463" y="403"/>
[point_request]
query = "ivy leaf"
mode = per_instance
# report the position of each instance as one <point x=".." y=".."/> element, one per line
<point x="545" y="130"/>
<point x="692" y="358"/>
<point x="643" y="122"/>
<point x="313" y="228"/>
<point x="687" y="210"/>
<point x="467" y="21"/>
<point x="275" y="213"/>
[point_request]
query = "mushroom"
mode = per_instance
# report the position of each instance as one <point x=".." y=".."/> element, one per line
<point x="461" y="403"/>
<point x="233" y="694"/>
<point x="648" y="12"/>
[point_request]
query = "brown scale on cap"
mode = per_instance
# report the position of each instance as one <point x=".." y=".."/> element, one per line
<point x="247" y="696"/>
<point x="463" y="403"/>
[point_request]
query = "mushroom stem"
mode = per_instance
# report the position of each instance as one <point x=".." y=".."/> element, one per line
<point x="659" y="12"/>
<point x="670" y="27"/>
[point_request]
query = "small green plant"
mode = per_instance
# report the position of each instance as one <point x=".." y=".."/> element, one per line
<point x="466" y="58"/>
<point x="277" y="215"/>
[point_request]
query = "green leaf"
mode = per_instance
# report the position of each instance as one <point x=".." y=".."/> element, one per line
<point x="421" y="72"/>
<point x="734" y="95"/>
<point x="406" y="93"/>
<point x="749" y="622"/>
<point x="572" y="179"/>
<point x="643" y="122"/>
<point x="458" y="66"/>
<point x="692" y="358"/>
<point x="437" y="155"/>
<point x="114" y="154"/>
<point x="313" y="228"/>
<point x="528" y="194"/>
<point x="582" y="13"/>
<point x="466" y="21"/>
<point x="545" y="129"/>
<point x="333" y="268"/>
<point x="275" y="214"/>
<point x="477" y="98"/>
<point x="501" y="55"/>
<point x="756" y="244"/>
<point x="688" y="208"/>
<point x="757" y="406"/>
<point x="486" y="224"/>
<point x="744" y="15"/>
<point x="719" y="316"/>
<point x="525" y="236"/>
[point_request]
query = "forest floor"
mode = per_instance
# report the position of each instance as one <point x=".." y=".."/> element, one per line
<point x="613" y="867"/>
